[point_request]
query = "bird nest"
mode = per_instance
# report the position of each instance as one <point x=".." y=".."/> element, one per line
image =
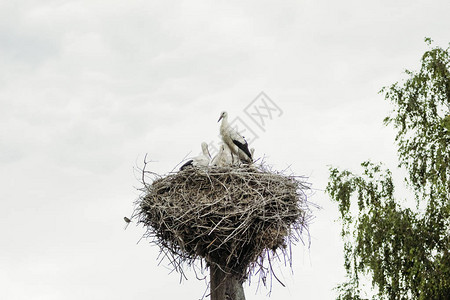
<point x="235" y="217"/>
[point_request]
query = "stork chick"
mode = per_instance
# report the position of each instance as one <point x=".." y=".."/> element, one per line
<point x="223" y="158"/>
<point x="201" y="161"/>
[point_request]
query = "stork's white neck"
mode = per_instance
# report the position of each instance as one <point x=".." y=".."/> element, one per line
<point x="205" y="149"/>
<point x="224" y="123"/>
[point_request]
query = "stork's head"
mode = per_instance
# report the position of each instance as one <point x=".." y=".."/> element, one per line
<point x="205" y="149"/>
<point x="223" y="115"/>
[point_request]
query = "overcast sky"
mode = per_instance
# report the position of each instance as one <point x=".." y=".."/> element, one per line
<point x="87" y="88"/>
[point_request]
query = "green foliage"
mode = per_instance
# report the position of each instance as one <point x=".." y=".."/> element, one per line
<point x="421" y="116"/>
<point x="405" y="253"/>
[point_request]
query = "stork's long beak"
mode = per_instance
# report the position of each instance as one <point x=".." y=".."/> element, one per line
<point x="221" y="116"/>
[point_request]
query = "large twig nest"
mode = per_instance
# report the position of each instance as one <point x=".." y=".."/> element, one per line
<point x="228" y="216"/>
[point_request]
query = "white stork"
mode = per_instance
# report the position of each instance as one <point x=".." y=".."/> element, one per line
<point x="223" y="158"/>
<point x="234" y="140"/>
<point x="201" y="161"/>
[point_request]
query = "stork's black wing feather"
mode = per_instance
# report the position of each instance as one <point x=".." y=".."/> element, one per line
<point x="244" y="148"/>
<point x="188" y="163"/>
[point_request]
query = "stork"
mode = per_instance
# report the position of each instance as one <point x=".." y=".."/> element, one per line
<point x="234" y="140"/>
<point x="223" y="158"/>
<point x="201" y="161"/>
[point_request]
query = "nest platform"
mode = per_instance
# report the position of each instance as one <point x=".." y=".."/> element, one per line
<point x="228" y="216"/>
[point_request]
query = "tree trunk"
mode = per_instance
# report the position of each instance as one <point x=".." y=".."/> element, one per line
<point x="224" y="286"/>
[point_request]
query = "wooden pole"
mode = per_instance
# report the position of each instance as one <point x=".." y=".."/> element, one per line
<point x="224" y="286"/>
